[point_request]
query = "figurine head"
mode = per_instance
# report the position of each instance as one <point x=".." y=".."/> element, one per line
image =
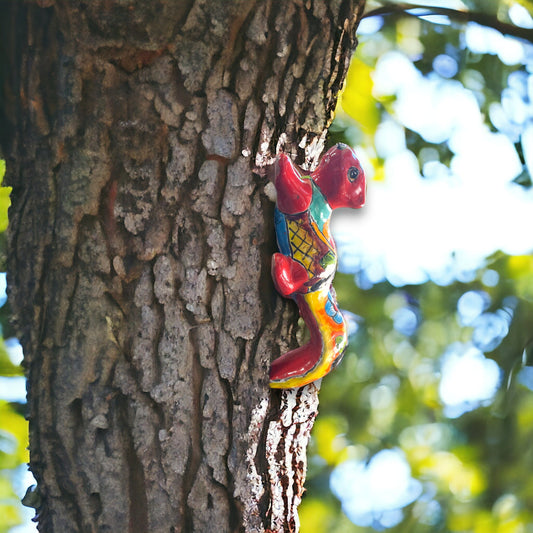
<point x="340" y="178"/>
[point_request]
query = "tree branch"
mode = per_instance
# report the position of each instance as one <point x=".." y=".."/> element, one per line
<point x="491" y="21"/>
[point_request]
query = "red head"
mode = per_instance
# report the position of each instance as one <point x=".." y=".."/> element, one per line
<point x="340" y="178"/>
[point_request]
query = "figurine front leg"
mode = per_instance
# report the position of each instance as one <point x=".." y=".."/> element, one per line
<point x="294" y="191"/>
<point x="289" y="276"/>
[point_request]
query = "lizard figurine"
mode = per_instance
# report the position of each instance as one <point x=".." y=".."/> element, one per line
<point x="305" y="267"/>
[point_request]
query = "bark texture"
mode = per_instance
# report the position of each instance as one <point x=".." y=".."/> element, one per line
<point x="140" y="241"/>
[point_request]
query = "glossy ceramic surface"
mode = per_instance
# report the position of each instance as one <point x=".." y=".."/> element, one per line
<point x="305" y="267"/>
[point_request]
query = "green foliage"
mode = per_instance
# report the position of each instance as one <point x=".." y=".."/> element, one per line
<point x="14" y="437"/>
<point x="385" y="395"/>
<point x="9" y="505"/>
<point x="474" y="468"/>
<point x="7" y="367"/>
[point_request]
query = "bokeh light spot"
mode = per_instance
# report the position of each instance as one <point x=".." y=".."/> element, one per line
<point x="374" y="493"/>
<point x="468" y="379"/>
<point x="445" y="65"/>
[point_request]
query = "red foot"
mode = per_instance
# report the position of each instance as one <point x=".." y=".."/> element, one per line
<point x="289" y="276"/>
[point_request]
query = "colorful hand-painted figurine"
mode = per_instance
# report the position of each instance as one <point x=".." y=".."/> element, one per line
<point x="306" y="265"/>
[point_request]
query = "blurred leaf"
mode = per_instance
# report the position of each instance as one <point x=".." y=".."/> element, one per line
<point x="7" y="368"/>
<point x="315" y="516"/>
<point x="483" y="6"/>
<point x="13" y="437"/>
<point x="330" y="441"/>
<point x="13" y="453"/>
<point x="5" y="202"/>
<point x="528" y="4"/>
<point x="520" y="269"/>
<point x="9" y="511"/>
<point x="356" y="99"/>
<point x="524" y="179"/>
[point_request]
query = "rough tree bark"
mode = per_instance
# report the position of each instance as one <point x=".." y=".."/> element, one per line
<point x="140" y="241"/>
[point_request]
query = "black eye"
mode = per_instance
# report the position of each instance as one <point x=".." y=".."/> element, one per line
<point x="353" y="173"/>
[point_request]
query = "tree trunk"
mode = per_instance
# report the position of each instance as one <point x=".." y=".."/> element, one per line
<point x="140" y="241"/>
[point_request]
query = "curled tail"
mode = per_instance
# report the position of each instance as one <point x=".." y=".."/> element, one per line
<point x="324" y="349"/>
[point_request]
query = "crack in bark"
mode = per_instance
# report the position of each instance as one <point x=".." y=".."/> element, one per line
<point x="137" y="500"/>
<point x="195" y="457"/>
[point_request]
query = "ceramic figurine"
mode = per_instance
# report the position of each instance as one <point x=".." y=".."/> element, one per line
<point x="306" y="265"/>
